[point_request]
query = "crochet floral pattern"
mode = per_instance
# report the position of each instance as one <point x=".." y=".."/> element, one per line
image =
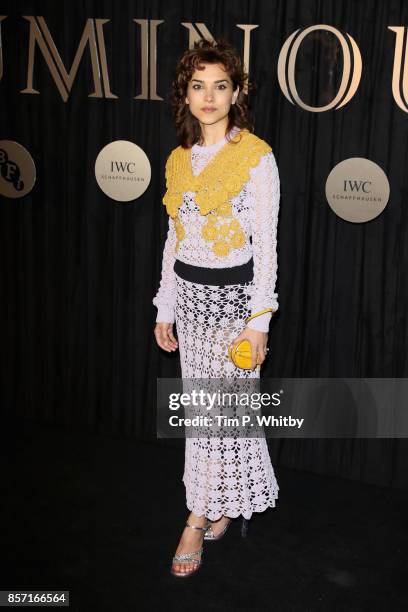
<point x="213" y="188"/>
<point x="222" y="475"/>
<point x="256" y="208"/>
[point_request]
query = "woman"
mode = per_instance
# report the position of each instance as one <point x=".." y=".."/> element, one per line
<point x="219" y="268"/>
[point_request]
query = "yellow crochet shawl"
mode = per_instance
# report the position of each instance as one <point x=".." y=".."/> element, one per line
<point x="221" y="179"/>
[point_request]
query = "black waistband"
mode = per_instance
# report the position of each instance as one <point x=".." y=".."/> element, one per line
<point x="215" y="276"/>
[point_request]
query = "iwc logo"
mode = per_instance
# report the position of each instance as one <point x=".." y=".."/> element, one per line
<point x="122" y="170"/>
<point x="357" y="190"/>
<point x="17" y="170"/>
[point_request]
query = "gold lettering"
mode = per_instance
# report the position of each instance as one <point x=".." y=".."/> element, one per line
<point x="63" y="79"/>
<point x="145" y="64"/>
<point x="400" y="94"/>
<point x="247" y="46"/>
<point x="2" y="17"/>
<point x="287" y="57"/>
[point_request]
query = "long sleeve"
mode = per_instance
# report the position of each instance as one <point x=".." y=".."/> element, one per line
<point x="264" y="220"/>
<point x="165" y="298"/>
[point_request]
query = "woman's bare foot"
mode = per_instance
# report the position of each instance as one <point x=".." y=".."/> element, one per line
<point x="191" y="541"/>
<point x="218" y="526"/>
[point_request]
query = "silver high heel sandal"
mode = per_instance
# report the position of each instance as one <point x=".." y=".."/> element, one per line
<point x="189" y="557"/>
<point x="209" y="534"/>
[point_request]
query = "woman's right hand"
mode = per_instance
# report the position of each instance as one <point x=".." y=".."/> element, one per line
<point x="165" y="337"/>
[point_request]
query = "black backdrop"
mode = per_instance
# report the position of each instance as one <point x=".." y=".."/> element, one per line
<point x="79" y="270"/>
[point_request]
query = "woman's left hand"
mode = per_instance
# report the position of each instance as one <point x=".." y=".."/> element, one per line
<point x="258" y="340"/>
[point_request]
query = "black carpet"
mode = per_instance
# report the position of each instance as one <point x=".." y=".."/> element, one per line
<point x="102" y="517"/>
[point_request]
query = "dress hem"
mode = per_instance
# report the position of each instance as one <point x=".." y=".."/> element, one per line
<point x="199" y="511"/>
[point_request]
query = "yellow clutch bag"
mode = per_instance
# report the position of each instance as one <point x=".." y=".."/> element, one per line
<point x="241" y="353"/>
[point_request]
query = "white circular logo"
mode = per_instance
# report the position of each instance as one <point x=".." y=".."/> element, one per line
<point x="17" y="170"/>
<point x="357" y="189"/>
<point x="122" y="170"/>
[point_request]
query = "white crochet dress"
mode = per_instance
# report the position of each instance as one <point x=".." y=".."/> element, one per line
<point x="223" y="476"/>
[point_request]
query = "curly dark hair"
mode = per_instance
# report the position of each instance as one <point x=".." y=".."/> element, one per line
<point x="188" y="129"/>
